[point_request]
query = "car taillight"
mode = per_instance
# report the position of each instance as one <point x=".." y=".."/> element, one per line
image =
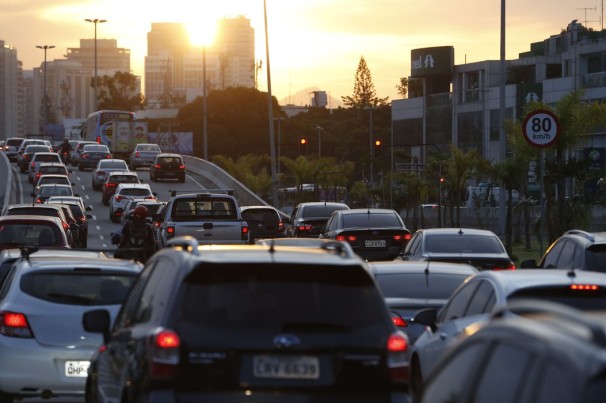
<point x="346" y="238"/>
<point x="14" y="324"/>
<point x="118" y="197"/>
<point x="150" y="197"/>
<point x="38" y="176"/>
<point x="397" y="362"/>
<point x="83" y="219"/>
<point x="510" y="266"/>
<point x="584" y="287"/>
<point x="39" y="200"/>
<point x="98" y="139"/>
<point x="157" y="166"/>
<point x="108" y="156"/>
<point x="280" y="226"/>
<point x="110" y="185"/>
<point x="164" y="357"/>
<point x="305" y="227"/>
<point x="65" y="225"/>
<point x="182" y="166"/>
<point x="137" y="154"/>
<point x="33" y="164"/>
<point x="398" y="321"/>
<point x="170" y="231"/>
<point x="244" y="232"/>
<point x="84" y="156"/>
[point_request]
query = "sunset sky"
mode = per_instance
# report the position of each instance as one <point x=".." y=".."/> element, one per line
<point x="312" y="43"/>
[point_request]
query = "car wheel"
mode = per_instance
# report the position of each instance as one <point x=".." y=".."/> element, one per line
<point x="105" y="202"/>
<point x="80" y="167"/>
<point x="6" y="398"/>
<point x="111" y="216"/>
<point x="182" y="180"/>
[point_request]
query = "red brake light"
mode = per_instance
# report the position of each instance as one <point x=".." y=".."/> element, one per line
<point x="397" y="347"/>
<point x="280" y="226"/>
<point x="584" y="287"/>
<point x="118" y="197"/>
<point x="346" y="238"/>
<point x="305" y="227"/>
<point x="65" y="225"/>
<point x="170" y="231"/>
<point x="165" y="354"/>
<point x="182" y="166"/>
<point x="511" y="266"/>
<point x="14" y="324"/>
<point x="398" y="321"/>
<point x="98" y="139"/>
<point x="108" y="156"/>
<point x="244" y="232"/>
<point x="137" y="154"/>
<point x="157" y="166"/>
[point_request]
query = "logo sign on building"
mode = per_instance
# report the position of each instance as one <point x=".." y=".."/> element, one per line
<point x="436" y="61"/>
<point x="596" y="157"/>
<point x="541" y="128"/>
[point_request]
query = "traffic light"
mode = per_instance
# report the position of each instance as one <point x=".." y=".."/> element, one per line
<point x="302" y="145"/>
<point x="378" y="147"/>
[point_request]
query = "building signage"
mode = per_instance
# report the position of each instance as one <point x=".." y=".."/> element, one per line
<point x="436" y="61"/>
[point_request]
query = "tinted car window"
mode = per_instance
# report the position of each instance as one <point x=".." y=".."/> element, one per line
<point x="458" y="304"/>
<point x="595" y="257"/>
<point x="148" y="147"/>
<point x="505" y="372"/>
<point x="319" y="211"/>
<point x="272" y="298"/>
<point x="451" y="383"/>
<point x="483" y="300"/>
<point x="113" y="165"/>
<point x="577" y="297"/>
<point x="30" y="233"/>
<point x="77" y="288"/>
<point x="169" y="160"/>
<point x="135" y="192"/>
<point x="370" y="220"/>
<point x="123" y="179"/>
<point x="555" y="386"/>
<point x="437" y="286"/>
<point x="551" y="259"/>
<point x="462" y="244"/>
<point x="567" y="257"/>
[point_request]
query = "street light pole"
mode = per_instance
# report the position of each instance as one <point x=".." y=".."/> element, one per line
<point x="320" y="141"/>
<point x="204" y="106"/>
<point x="95" y="21"/>
<point x="270" y="112"/>
<point x="45" y="95"/>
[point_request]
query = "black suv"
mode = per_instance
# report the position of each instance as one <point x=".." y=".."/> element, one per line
<point x="546" y="353"/>
<point x="167" y="166"/>
<point x="575" y="249"/>
<point x="260" y="323"/>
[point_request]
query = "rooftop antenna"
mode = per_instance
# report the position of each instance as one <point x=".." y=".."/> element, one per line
<point x="585" y="21"/>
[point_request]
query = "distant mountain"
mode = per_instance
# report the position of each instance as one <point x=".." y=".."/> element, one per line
<point x="303" y="98"/>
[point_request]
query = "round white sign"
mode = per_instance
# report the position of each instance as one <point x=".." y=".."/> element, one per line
<point x="541" y="128"/>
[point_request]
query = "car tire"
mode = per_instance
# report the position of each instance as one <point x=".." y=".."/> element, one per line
<point x="182" y="180"/>
<point x="6" y="398"/>
<point x="416" y="381"/>
<point x="80" y="167"/>
<point x="105" y="202"/>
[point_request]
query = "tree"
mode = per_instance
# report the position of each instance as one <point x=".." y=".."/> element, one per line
<point x="119" y="92"/>
<point x="364" y="93"/>
<point x="413" y="87"/>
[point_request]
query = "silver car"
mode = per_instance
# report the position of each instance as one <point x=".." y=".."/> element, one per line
<point x="144" y="155"/>
<point x="43" y="345"/>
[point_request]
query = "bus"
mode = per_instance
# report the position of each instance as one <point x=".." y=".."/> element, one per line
<point x="116" y="129"/>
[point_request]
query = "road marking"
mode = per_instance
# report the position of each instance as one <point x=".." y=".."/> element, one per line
<point x="86" y="196"/>
<point x="101" y="237"/>
<point x="104" y="245"/>
<point x="198" y="183"/>
<point x="83" y="188"/>
<point x="98" y="228"/>
<point x="94" y="217"/>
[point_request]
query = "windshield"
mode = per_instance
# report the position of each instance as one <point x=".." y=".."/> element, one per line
<point x="463" y="244"/>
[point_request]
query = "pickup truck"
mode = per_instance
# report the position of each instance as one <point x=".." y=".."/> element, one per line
<point x="211" y="218"/>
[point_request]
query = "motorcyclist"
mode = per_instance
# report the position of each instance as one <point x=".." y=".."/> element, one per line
<point x="137" y="234"/>
<point x="65" y="150"/>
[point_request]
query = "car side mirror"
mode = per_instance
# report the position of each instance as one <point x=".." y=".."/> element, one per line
<point x="426" y="317"/>
<point x="88" y="208"/>
<point x="155" y="194"/>
<point x="73" y="184"/>
<point x="76" y="194"/>
<point x="97" y="321"/>
<point x="528" y="264"/>
<point x="89" y="216"/>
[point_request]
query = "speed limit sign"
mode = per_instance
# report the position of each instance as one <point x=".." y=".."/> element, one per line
<point x="541" y="128"/>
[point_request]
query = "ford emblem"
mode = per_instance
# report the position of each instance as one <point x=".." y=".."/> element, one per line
<point x="286" y="340"/>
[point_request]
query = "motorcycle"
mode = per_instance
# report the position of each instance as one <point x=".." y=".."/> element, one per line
<point x="65" y="157"/>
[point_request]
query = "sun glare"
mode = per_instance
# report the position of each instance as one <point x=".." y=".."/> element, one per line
<point x="201" y="32"/>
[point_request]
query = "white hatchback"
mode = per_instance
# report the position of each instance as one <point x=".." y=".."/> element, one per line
<point x="124" y="193"/>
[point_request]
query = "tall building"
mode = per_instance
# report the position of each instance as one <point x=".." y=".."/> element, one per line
<point x="10" y="70"/>
<point x="174" y="68"/>
<point x="109" y="56"/>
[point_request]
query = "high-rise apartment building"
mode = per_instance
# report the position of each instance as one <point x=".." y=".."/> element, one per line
<point x="174" y="68"/>
<point x="109" y="56"/>
<point x="9" y="78"/>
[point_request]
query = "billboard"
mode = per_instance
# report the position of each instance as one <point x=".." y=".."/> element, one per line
<point x="173" y="142"/>
<point x="435" y="61"/>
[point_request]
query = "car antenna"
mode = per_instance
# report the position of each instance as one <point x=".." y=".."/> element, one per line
<point x="426" y="271"/>
<point x="572" y="274"/>
<point x="460" y="231"/>
<point x="272" y="245"/>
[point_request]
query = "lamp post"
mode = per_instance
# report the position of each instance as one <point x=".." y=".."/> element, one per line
<point x="45" y="104"/>
<point x="320" y="141"/>
<point x="204" y="106"/>
<point x="95" y="21"/>
<point x="270" y="112"/>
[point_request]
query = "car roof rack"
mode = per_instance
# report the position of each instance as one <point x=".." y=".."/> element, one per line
<point x="174" y="192"/>
<point x="587" y="235"/>
<point x="187" y="243"/>
<point x="570" y="315"/>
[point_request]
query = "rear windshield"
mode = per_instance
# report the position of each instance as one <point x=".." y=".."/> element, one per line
<point x="282" y="298"/>
<point x="371" y="220"/>
<point x="14" y="142"/>
<point x="47" y="157"/>
<point x="57" y="179"/>
<point x="74" y="288"/>
<point x="261" y="215"/>
<point x="93" y="148"/>
<point x="148" y="147"/>
<point x="187" y="209"/>
<point x="319" y="211"/>
<point x="26" y="233"/>
<point x="584" y="300"/>
<point x="169" y="160"/>
<point x="596" y="258"/>
<point x="123" y="179"/>
<point x="35" y="149"/>
<point x="55" y="191"/>
<point x="463" y="244"/>
<point x="53" y="170"/>
<point x="48" y="212"/>
<point x="418" y="285"/>
<point x="135" y="192"/>
<point x="113" y="164"/>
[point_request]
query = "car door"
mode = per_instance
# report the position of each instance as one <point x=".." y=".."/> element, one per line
<point x="473" y="303"/>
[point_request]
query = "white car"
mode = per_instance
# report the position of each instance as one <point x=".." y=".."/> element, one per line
<point x="124" y="193"/>
<point x="39" y="158"/>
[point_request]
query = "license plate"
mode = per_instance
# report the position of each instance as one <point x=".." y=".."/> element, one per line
<point x="76" y="368"/>
<point x="286" y="367"/>
<point x="381" y="243"/>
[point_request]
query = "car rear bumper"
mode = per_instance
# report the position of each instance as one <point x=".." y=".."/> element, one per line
<point x="276" y="396"/>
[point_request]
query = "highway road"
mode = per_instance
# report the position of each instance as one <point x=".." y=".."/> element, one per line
<point x="100" y="227"/>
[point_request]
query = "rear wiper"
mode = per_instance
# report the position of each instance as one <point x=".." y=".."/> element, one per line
<point x="70" y="298"/>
